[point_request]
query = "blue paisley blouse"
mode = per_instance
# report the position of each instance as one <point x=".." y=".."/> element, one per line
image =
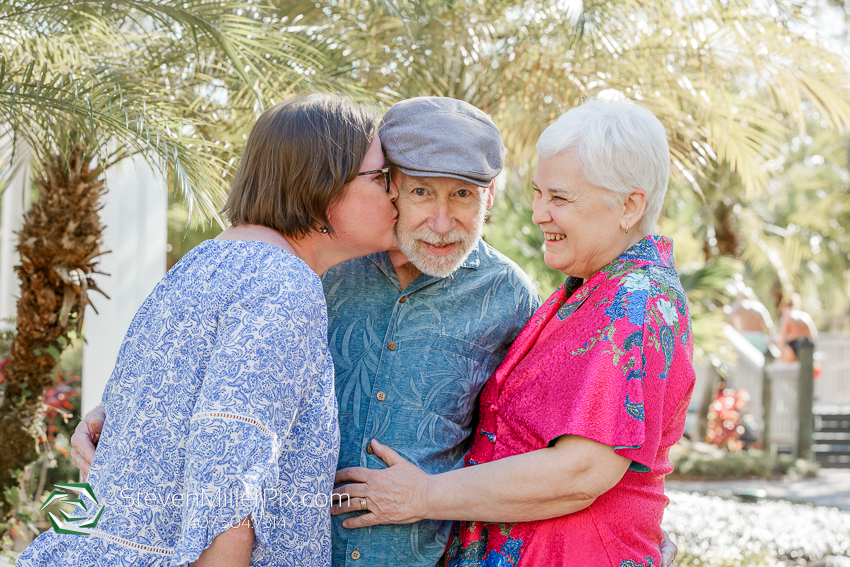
<point x="221" y="405"/>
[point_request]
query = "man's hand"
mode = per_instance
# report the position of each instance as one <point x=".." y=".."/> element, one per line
<point x="85" y="438"/>
<point x="668" y="550"/>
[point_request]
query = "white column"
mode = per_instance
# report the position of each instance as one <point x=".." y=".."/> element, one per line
<point x="15" y="201"/>
<point x="136" y="236"/>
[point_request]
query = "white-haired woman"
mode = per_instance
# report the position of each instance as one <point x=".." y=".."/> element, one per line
<point x="568" y="463"/>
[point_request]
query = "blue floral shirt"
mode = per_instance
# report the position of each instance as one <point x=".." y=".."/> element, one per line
<point x="409" y="366"/>
<point x="221" y="405"/>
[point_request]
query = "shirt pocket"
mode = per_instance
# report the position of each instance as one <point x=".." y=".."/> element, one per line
<point x="461" y="347"/>
<point x="454" y="376"/>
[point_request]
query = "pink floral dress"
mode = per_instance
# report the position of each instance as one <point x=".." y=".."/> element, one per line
<point x="609" y="359"/>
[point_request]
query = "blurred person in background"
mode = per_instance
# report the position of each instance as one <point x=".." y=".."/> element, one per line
<point x="794" y="326"/>
<point x="751" y="318"/>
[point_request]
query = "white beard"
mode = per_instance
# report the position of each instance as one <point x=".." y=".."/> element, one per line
<point x="439" y="266"/>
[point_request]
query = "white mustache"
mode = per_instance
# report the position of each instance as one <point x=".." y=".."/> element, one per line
<point x="430" y="237"/>
<point x="411" y="244"/>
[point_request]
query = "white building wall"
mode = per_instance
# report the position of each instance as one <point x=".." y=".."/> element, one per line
<point x="136" y="233"/>
<point x="15" y="203"/>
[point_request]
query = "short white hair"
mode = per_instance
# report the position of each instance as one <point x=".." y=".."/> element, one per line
<point x="620" y="146"/>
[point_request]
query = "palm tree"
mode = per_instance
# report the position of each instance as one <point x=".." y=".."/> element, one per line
<point x="790" y="238"/>
<point x="729" y="80"/>
<point x="85" y="85"/>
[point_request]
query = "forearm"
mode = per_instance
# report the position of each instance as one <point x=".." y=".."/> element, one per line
<point x="532" y="486"/>
<point x="541" y="484"/>
<point x="231" y="548"/>
<point x="538" y="485"/>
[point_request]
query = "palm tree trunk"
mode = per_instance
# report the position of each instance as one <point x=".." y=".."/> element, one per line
<point x="58" y="245"/>
<point x="725" y="231"/>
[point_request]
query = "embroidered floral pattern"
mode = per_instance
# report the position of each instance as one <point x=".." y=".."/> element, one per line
<point x="508" y="554"/>
<point x="636" y="282"/>
<point x="668" y="311"/>
<point x="607" y="359"/>
<point x="488" y="435"/>
<point x="634" y="410"/>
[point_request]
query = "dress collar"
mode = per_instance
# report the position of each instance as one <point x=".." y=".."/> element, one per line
<point x="653" y="249"/>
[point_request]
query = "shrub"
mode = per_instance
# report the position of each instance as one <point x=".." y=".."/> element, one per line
<point x="701" y="461"/>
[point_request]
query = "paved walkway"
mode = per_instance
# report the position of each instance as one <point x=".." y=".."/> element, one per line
<point x="830" y="488"/>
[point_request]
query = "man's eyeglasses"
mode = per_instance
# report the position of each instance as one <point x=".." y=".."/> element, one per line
<point x="385" y="171"/>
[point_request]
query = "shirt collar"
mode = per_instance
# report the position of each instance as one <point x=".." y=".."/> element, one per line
<point x="653" y="249"/>
<point x="473" y="260"/>
<point x="382" y="260"/>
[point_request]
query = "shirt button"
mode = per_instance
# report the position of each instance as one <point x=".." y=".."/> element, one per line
<point x="355" y="555"/>
<point x="391" y="345"/>
<point x="381" y="396"/>
<point x="403" y="299"/>
<point x="369" y="449"/>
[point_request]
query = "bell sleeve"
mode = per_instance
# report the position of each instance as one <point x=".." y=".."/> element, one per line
<point x="609" y="386"/>
<point x="664" y="375"/>
<point x="267" y="355"/>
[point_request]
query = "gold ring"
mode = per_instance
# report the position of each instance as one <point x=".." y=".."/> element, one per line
<point x="363" y="504"/>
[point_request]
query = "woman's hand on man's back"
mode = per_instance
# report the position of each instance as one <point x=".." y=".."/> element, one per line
<point x="85" y="438"/>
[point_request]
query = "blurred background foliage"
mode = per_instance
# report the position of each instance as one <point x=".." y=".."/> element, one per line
<point x="754" y="100"/>
<point x="53" y="465"/>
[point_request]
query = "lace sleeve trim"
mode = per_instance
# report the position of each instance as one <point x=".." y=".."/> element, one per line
<point x="233" y="417"/>
<point x="132" y="545"/>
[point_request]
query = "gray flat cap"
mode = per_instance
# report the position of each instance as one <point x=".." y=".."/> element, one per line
<point x="442" y="137"/>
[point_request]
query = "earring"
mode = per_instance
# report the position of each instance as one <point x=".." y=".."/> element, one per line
<point x="627" y="229"/>
<point x="324" y="230"/>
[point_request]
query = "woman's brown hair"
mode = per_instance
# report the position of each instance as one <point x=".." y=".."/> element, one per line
<point x="298" y="157"/>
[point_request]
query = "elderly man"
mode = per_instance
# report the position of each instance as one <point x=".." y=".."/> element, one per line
<point x="416" y="331"/>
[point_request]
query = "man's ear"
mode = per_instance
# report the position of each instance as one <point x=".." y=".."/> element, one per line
<point x="634" y="207"/>
<point x="491" y="194"/>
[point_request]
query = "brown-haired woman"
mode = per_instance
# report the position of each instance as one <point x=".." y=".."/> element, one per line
<point x="220" y="435"/>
